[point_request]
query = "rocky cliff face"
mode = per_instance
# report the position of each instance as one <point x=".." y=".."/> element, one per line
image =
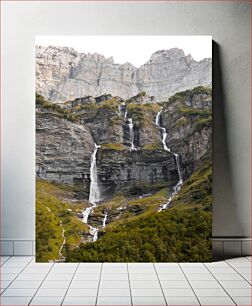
<point x="63" y="150"/>
<point x="63" y="74"/>
<point x="66" y="134"/>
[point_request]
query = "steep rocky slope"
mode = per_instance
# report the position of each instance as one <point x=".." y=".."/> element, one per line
<point x="64" y="74"/>
<point x="66" y="135"/>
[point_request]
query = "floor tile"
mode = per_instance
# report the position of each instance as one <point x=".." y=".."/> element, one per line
<point x="84" y="284"/>
<point x="82" y="292"/>
<point x="172" y="276"/>
<point x="148" y="300"/>
<point x="210" y="292"/>
<point x="80" y="300"/>
<point x="33" y="270"/>
<point x="241" y="264"/>
<point x="235" y="284"/>
<point x="9" y="270"/>
<point x="142" y="270"/>
<point x="51" y="292"/>
<point x="166" y="264"/>
<point x="59" y="277"/>
<point x="112" y="277"/>
<point x="19" y="292"/>
<point x="243" y="300"/>
<point x="47" y="300"/>
<point x="21" y="258"/>
<point x="200" y="276"/>
<point x="114" y="284"/>
<point x="55" y="284"/>
<point x="219" y="270"/>
<point x="243" y="270"/>
<point x="9" y="276"/>
<point x="143" y="276"/>
<point x="180" y="300"/>
<point x="237" y="259"/>
<point x="229" y="276"/>
<point x="191" y="264"/>
<point x="30" y="276"/>
<point x="178" y="292"/>
<point x="140" y="265"/>
<point x="220" y="300"/>
<point x="217" y="264"/>
<point x="114" y="292"/>
<point x="247" y="277"/>
<point x="174" y="284"/>
<point x="88" y="270"/>
<point x="40" y="265"/>
<point x="15" y="300"/>
<point x="146" y="292"/>
<point x="239" y="291"/>
<point x="196" y="270"/>
<point x="63" y="270"/>
<point x="169" y="270"/>
<point x="25" y="284"/>
<point x="86" y="277"/>
<point x="111" y="269"/>
<point x="5" y="283"/>
<point x="145" y="284"/>
<point x="204" y="284"/>
<point x="93" y="264"/>
<point x="104" y="300"/>
<point x="14" y="264"/>
<point x="4" y="259"/>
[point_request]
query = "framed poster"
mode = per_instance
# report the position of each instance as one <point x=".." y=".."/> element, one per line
<point x="123" y="148"/>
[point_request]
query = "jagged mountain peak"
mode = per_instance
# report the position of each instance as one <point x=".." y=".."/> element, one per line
<point x="63" y="74"/>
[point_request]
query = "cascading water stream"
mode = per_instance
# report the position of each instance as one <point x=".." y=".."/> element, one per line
<point x="121" y="108"/>
<point x="104" y="219"/>
<point x="94" y="194"/>
<point x="131" y="132"/>
<point x="178" y="186"/>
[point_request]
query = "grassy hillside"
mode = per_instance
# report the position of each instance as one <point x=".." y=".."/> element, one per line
<point x="54" y="205"/>
<point x="180" y="233"/>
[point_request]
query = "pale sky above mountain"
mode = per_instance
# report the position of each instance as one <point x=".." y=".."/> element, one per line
<point x="134" y="49"/>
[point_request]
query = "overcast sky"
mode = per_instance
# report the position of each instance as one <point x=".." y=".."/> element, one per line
<point x="134" y="49"/>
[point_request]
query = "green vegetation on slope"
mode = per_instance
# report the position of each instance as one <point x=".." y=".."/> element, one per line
<point x="52" y="206"/>
<point x="195" y="91"/>
<point x="180" y="233"/>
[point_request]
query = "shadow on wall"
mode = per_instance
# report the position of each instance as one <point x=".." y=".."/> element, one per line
<point x="226" y="220"/>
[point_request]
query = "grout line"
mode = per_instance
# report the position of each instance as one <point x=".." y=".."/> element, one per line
<point x="160" y="284"/>
<point x="96" y="300"/>
<point x="16" y="275"/>
<point x="189" y="284"/>
<point x="131" y="298"/>
<point x="239" y="272"/>
<point x="41" y="283"/>
<point x="220" y="284"/>
<point x="70" y="283"/>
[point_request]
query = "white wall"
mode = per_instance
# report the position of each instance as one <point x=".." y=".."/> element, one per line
<point x="227" y="22"/>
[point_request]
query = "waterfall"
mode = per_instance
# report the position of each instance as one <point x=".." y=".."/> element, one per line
<point x="104" y="219"/>
<point x="131" y="131"/>
<point x="179" y="184"/>
<point x="94" y="194"/>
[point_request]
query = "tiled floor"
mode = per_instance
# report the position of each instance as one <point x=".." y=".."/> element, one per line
<point x="24" y="282"/>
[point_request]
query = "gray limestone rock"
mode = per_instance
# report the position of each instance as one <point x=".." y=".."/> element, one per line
<point x="63" y="74"/>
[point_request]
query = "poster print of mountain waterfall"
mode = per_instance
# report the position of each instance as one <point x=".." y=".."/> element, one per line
<point x="123" y="148"/>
